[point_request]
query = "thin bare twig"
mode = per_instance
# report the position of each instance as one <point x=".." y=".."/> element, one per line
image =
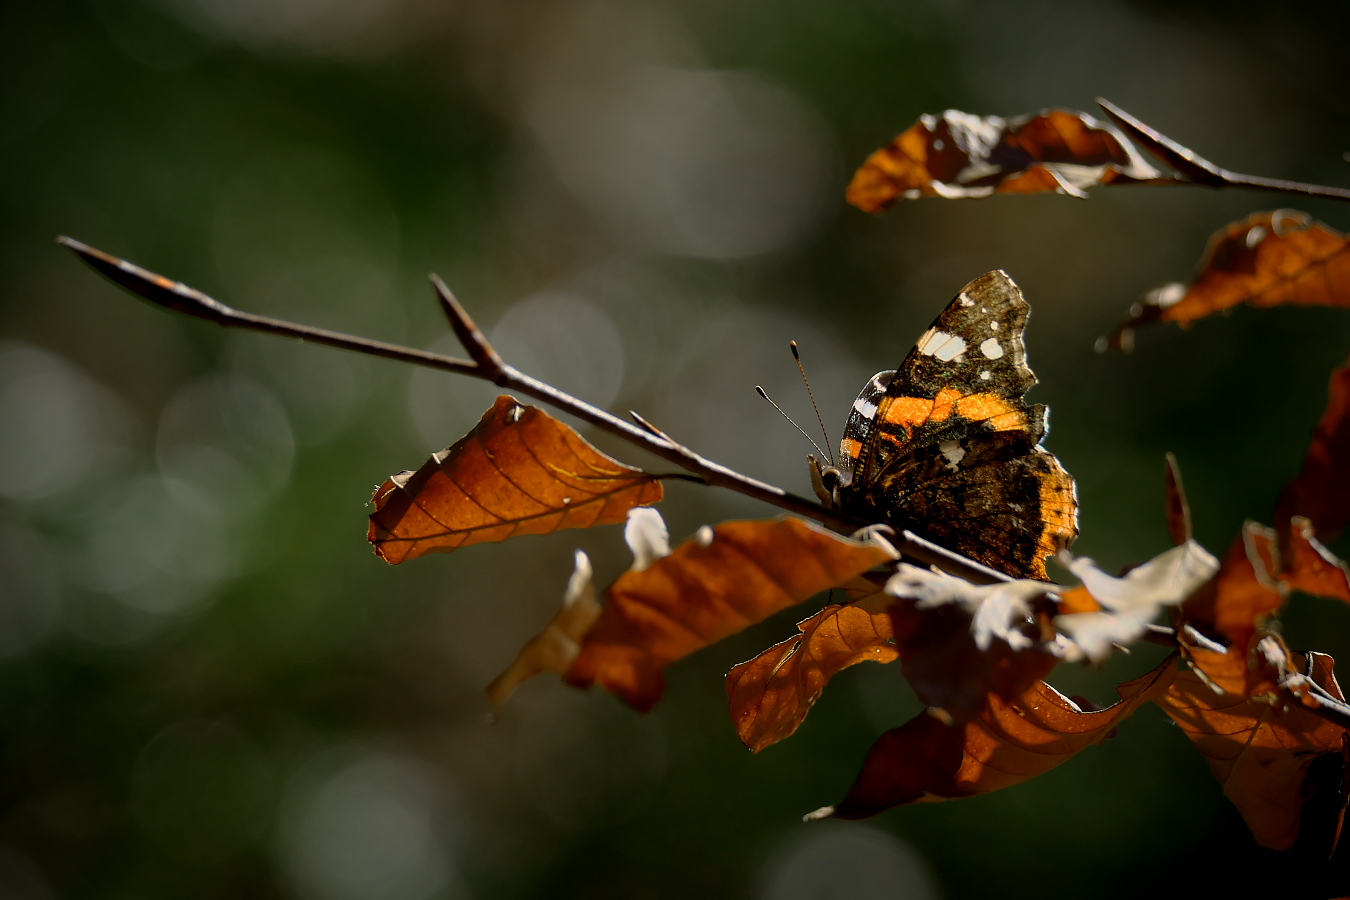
<point x="488" y="365"/>
<point x="1195" y="169"/>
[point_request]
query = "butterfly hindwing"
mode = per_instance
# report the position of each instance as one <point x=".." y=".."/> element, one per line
<point x="946" y="447"/>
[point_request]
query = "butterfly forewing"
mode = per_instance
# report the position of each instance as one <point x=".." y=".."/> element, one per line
<point x="946" y="447"/>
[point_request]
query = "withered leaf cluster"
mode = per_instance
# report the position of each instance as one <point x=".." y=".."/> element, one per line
<point x="978" y="655"/>
<point x="1277" y="258"/>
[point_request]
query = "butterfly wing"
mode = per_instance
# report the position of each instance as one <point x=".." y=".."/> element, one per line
<point x="946" y="447"/>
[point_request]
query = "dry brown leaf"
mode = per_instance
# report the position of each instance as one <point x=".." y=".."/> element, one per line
<point x="1321" y="492"/>
<point x="1245" y="592"/>
<point x="1250" y="587"/>
<point x="1311" y="567"/>
<point x="958" y="154"/>
<point x="1128" y="604"/>
<point x="1259" y="748"/>
<point x="556" y="647"/>
<point x="712" y="586"/>
<point x="1178" y="510"/>
<point x="959" y="642"/>
<point x="771" y="694"/>
<point x="1011" y="741"/>
<point x="1277" y="258"/>
<point x="520" y="471"/>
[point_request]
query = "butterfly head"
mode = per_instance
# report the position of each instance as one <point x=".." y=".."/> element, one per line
<point x="827" y="481"/>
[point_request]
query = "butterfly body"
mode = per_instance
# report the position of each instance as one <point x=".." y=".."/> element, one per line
<point x="945" y="446"/>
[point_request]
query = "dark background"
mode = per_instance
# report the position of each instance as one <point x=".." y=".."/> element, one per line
<point x="209" y="687"/>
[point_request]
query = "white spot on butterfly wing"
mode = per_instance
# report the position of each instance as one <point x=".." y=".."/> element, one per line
<point x="966" y="301"/>
<point x="954" y="453"/>
<point x="985" y="376"/>
<point x="991" y="349"/>
<point x="941" y="345"/>
<point x="864" y="407"/>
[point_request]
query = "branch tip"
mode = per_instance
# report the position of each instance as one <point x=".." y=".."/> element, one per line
<point x="148" y="285"/>
<point x="1189" y="164"/>
<point x="650" y="427"/>
<point x="473" y="339"/>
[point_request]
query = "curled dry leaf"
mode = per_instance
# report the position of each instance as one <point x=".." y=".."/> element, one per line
<point x="1252" y="585"/>
<point x="520" y="471"/>
<point x="1129" y="603"/>
<point x="1009" y="742"/>
<point x="1311" y="567"/>
<point x="559" y="643"/>
<point x="557" y="646"/>
<point x="1321" y="492"/>
<point x="958" y="154"/>
<point x="771" y="694"/>
<point x="1274" y="258"/>
<point x="710" y="587"/>
<point x="1243" y="593"/>
<point x="1259" y="748"/>
<point x="960" y="642"/>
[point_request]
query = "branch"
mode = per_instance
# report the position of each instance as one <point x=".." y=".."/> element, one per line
<point x="1195" y="169"/>
<point x="488" y="365"/>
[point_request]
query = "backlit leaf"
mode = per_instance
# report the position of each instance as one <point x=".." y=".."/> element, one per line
<point x="959" y="642"/>
<point x="1259" y="748"/>
<point x="958" y="154"/>
<point x="1009" y="742"/>
<point x="556" y="647"/>
<point x="771" y="694"/>
<point x="1279" y="258"/>
<point x="1129" y="603"/>
<point x="710" y="587"/>
<point x="1311" y="567"/>
<point x="520" y="471"/>
<point x="1245" y="591"/>
<point x="1321" y="492"/>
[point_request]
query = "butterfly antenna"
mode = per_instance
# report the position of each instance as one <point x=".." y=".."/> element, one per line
<point x="801" y="368"/>
<point x="759" y="390"/>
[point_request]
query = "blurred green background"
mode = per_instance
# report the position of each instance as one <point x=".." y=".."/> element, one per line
<point x="209" y="687"/>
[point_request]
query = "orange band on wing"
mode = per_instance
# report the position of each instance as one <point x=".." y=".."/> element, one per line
<point x="911" y="412"/>
<point x="984" y="407"/>
<point x="850" y="448"/>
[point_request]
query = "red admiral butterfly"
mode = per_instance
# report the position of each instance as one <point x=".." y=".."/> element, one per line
<point x="945" y="447"/>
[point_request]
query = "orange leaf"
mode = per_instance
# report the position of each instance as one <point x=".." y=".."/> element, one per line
<point x="1259" y="748"/>
<point x="1322" y="489"/>
<point x="961" y="155"/>
<point x="771" y="694"/>
<point x="1274" y="258"/>
<point x="1244" y="593"/>
<point x="1312" y="568"/>
<point x="712" y="586"/>
<point x="1252" y="585"/>
<point x="520" y="471"/>
<point x="1011" y="741"/>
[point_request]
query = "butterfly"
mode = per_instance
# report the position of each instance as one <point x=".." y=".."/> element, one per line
<point x="945" y="446"/>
